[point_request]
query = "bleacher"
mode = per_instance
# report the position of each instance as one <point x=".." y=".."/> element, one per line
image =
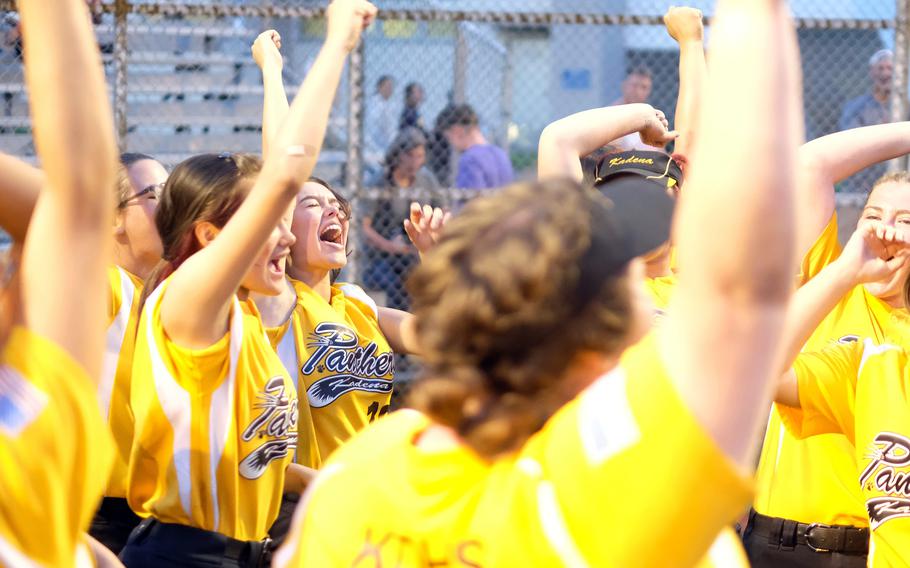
<point x="190" y="89"/>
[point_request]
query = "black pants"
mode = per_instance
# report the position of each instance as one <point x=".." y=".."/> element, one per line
<point x="766" y="551"/>
<point x="155" y="544"/>
<point x="113" y="523"/>
<point x="282" y="524"/>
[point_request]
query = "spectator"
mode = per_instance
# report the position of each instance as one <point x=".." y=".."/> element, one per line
<point x="867" y="110"/>
<point x="482" y="165"/>
<point x="636" y="88"/>
<point x="439" y="155"/>
<point x="390" y="257"/>
<point x="410" y="115"/>
<point x="381" y="126"/>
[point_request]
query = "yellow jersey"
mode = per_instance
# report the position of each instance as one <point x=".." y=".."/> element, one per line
<point x="339" y="357"/>
<point x="622" y="476"/>
<point x="860" y="390"/>
<point x="114" y="386"/>
<point x="727" y="550"/>
<point x="55" y="454"/>
<point x="814" y="480"/>
<point x="215" y="428"/>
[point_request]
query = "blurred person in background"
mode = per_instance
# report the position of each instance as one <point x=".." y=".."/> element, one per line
<point x="636" y="89"/>
<point x="381" y="124"/>
<point x="410" y="116"/>
<point x="870" y="109"/>
<point x="482" y="165"/>
<point x="405" y="180"/>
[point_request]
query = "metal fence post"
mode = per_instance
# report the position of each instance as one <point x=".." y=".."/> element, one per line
<point x="121" y="9"/>
<point x="900" y="77"/>
<point x="354" y="169"/>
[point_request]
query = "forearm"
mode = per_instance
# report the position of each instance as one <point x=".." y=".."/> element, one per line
<point x="693" y="72"/>
<point x="563" y="143"/>
<point x="400" y="330"/>
<point x="275" y="105"/>
<point x="20" y="186"/>
<point x="759" y="215"/>
<point x="810" y="304"/>
<point x="838" y="156"/>
<point x="307" y="119"/>
<point x="68" y="96"/>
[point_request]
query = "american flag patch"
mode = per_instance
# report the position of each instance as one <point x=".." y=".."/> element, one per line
<point x="20" y="402"/>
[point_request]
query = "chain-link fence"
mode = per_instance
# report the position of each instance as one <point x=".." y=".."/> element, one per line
<point x="183" y="82"/>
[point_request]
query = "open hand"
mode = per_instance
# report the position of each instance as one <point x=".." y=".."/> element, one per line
<point x="425" y="225"/>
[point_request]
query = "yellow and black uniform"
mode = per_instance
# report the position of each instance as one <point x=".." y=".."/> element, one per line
<point x="859" y="390"/>
<point x="620" y="476"/>
<point x="342" y="362"/>
<point x="814" y="480"/>
<point x="215" y="430"/>
<point x="55" y="454"/>
<point x="114" y="521"/>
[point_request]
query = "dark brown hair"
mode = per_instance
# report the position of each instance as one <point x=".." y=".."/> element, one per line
<point x="456" y="115"/>
<point x="204" y="188"/>
<point x="496" y="318"/>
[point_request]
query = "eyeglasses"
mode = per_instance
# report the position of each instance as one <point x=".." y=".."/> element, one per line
<point x="154" y="189"/>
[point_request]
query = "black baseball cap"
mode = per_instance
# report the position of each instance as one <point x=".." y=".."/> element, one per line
<point x="630" y="216"/>
<point x="652" y="165"/>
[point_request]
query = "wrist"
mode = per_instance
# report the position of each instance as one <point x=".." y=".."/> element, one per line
<point x="843" y="275"/>
<point x="336" y="46"/>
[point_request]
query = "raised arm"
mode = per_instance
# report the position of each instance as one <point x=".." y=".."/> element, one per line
<point x="723" y="329"/>
<point x="207" y="281"/>
<point x="275" y="108"/>
<point x="685" y="26"/>
<point x="64" y="290"/>
<point x="20" y="186"/>
<point x="830" y="159"/>
<point x="563" y="143"/>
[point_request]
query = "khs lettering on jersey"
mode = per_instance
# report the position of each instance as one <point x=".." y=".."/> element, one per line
<point x="888" y="472"/>
<point x="335" y="350"/>
<point x="277" y="421"/>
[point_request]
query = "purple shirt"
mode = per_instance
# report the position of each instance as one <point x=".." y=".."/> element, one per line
<point x="484" y="166"/>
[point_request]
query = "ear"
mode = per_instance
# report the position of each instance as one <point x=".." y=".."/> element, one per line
<point x="119" y="222"/>
<point x="205" y="233"/>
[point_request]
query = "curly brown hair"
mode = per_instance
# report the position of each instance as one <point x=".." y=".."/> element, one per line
<point x="498" y="315"/>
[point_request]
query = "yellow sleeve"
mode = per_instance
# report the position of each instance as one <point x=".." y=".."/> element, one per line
<point x="630" y="455"/>
<point x="827" y="392"/>
<point x="55" y="450"/>
<point x="823" y="252"/>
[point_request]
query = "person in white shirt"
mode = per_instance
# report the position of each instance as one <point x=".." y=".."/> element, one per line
<point x="381" y="125"/>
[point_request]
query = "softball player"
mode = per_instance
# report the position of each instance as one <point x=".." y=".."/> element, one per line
<point x="523" y="448"/>
<point x="215" y="411"/>
<point x="855" y="388"/>
<point x="55" y="451"/>
<point x="811" y="482"/>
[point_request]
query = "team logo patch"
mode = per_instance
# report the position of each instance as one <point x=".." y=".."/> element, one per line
<point x="276" y="423"/>
<point x="888" y="472"/>
<point x="20" y="402"/>
<point x="353" y="367"/>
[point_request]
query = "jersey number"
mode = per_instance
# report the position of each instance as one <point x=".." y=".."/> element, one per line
<point x="374" y="410"/>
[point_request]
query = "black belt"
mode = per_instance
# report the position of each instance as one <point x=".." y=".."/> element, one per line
<point x="253" y="554"/>
<point x="817" y="536"/>
<point x="116" y="508"/>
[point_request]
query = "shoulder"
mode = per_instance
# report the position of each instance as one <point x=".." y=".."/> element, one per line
<point x="359" y="298"/>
